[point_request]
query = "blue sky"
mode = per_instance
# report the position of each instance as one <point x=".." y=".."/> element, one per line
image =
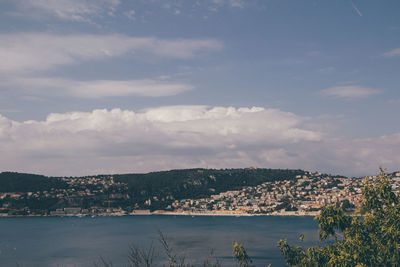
<point x="134" y="86"/>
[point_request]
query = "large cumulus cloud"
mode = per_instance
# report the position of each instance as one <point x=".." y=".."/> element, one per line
<point x="109" y="141"/>
<point x="198" y="134"/>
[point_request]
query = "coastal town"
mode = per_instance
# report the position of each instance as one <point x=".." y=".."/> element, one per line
<point x="303" y="196"/>
<point x="103" y="196"/>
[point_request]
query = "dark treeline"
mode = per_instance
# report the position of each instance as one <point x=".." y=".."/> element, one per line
<point x="25" y="182"/>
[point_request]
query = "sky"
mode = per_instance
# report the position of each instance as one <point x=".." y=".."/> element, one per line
<point x="114" y="86"/>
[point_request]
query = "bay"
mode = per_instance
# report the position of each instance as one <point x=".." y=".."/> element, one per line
<point x="74" y="241"/>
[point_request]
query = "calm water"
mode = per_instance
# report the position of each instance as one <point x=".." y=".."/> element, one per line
<point x="68" y="241"/>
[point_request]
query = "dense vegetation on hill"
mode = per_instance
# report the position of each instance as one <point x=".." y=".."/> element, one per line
<point x="196" y="183"/>
<point x="24" y="182"/>
<point x="137" y="190"/>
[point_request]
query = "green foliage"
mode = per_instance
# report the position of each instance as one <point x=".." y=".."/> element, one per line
<point x="286" y="205"/>
<point x="330" y="220"/>
<point x="24" y="182"/>
<point x="240" y="256"/>
<point x="370" y="237"/>
<point x="346" y="205"/>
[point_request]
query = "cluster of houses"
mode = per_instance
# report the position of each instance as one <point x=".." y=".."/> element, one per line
<point x="68" y="200"/>
<point x="304" y="195"/>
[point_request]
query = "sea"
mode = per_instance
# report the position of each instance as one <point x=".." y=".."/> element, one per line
<point x="98" y="241"/>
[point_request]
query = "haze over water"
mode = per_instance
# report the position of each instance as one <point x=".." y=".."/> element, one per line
<point x="72" y="241"/>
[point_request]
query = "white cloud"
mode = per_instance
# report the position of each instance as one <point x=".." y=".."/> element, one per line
<point x="104" y="141"/>
<point x="393" y="53"/>
<point x="231" y="3"/>
<point x="25" y="54"/>
<point x="72" y="10"/>
<point x="350" y="91"/>
<point x="394" y="101"/>
<point x="130" y="14"/>
<point x="90" y="10"/>
<point x="96" y="88"/>
<point x="338" y="155"/>
<point x="327" y="70"/>
<point x="191" y="133"/>
<point x="363" y="155"/>
<point x="41" y="51"/>
<point x="5" y="125"/>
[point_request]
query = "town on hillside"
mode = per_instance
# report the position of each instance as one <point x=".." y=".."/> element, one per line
<point x="303" y="194"/>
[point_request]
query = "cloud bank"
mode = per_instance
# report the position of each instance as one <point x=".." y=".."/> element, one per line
<point x="198" y="134"/>
<point x="29" y="52"/>
<point x="117" y="141"/>
<point x="70" y="10"/>
<point x="60" y="87"/>
<point x="393" y="53"/>
<point x="26" y="56"/>
<point x="90" y="10"/>
<point x="350" y="91"/>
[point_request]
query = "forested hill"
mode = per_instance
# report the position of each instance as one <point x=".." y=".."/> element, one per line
<point x="198" y="183"/>
<point x="133" y="190"/>
<point x="25" y="182"/>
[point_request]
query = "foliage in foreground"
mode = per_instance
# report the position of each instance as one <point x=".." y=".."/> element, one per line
<point x="148" y="257"/>
<point x="369" y="237"/>
<point x="240" y="255"/>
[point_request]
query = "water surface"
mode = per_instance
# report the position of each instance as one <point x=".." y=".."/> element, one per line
<point x="72" y="241"/>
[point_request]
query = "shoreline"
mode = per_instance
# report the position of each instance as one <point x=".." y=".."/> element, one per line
<point x="193" y="214"/>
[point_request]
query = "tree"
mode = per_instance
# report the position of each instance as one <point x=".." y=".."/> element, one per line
<point x="368" y="237"/>
<point x="240" y="255"/>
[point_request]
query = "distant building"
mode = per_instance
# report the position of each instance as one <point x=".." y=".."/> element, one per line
<point x="72" y="211"/>
<point x="57" y="212"/>
<point x="140" y="212"/>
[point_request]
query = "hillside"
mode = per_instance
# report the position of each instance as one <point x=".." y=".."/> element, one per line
<point x="25" y="182"/>
<point x="130" y="191"/>
<point x="196" y="183"/>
